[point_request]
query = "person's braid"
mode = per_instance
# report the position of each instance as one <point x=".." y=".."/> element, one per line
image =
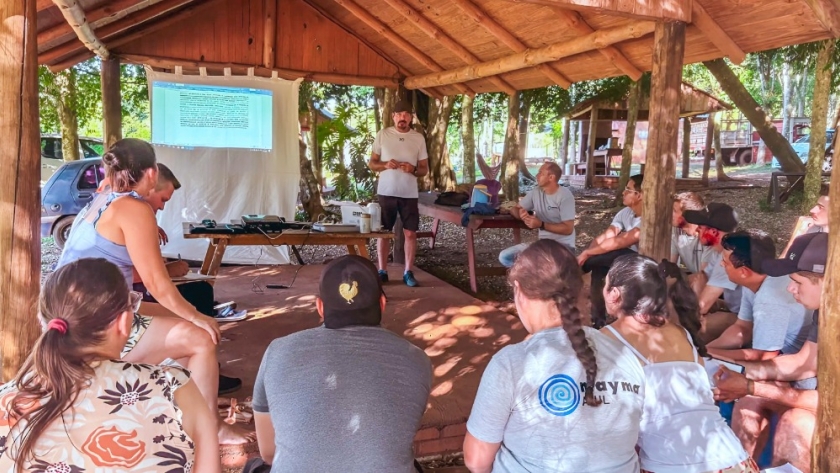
<point x="574" y="330"/>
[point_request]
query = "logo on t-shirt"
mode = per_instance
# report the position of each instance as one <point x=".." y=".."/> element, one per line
<point x="560" y="395"/>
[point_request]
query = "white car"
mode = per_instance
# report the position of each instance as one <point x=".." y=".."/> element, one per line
<point x="52" y="157"/>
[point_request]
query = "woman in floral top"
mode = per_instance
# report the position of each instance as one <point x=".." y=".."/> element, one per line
<point x="72" y="410"/>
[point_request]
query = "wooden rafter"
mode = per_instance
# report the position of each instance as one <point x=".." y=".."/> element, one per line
<point x="576" y="23"/>
<point x="668" y="10"/>
<point x="75" y="16"/>
<point x="511" y="41"/>
<point x="62" y="32"/>
<point x="447" y="41"/>
<point x="532" y="57"/>
<point x="827" y="13"/>
<point x="397" y="40"/>
<point x="43" y="4"/>
<point x="716" y="35"/>
<point x="128" y="22"/>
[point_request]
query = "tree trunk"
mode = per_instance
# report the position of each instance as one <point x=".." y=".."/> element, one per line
<point x="440" y="177"/>
<point x="20" y="243"/>
<point x="573" y="135"/>
<point x="510" y="161"/>
<point x="389" y="101"/>
<point x="629" y="139"/>
<point x="312" y="137"/>
<point x="310" y="191"/>
<point x="661" y="158"/>
<point x="819" y="112"/>
<point x="755" y="114"/>
<point x="564" y="143"/>
<point x="524" y="123"/>
<point x="468" y="138"/>
<point x="709" y="149"/>
<point x="590" y="147"/>
<point x="68" y="120"/>
<point x="378" y="97"/>
<point x="111" y="101"/>
<point x="787" y="92"/>
<point x="686" y="147"/>
<point x="721" y="175"/>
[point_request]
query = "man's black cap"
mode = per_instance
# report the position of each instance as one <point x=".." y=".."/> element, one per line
<point x="715" y="215"/>
<point x="808" y="252"/>
<point x="350" y="289"/>
<point x="403" y="106"/>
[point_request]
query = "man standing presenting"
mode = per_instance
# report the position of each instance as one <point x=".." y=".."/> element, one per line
<point x="400" y="157"/>
<point x="549" y="207"/>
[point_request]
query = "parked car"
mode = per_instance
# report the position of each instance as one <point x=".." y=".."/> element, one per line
<point x="65" y="194"/>
<point x="802" y="146"/>
<point x="52" y="157"/>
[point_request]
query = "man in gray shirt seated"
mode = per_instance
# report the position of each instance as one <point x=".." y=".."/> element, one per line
<point x="549" y="207"/>
<point x="345" y="396"/>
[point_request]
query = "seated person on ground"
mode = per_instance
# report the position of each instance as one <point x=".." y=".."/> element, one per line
<point x="815" y="222"/>
<point x="621" y="238"/>
<point x="72" y="409"/>
<point x="770" y="321"/>
<point x="345" y="396"/>
<point x="685" y="242"/>
<point x="713" y="223"/>
<point x="761" y="391"/>
<point x="639" y="294"/>
<point x="567" y="399"/>
<point x="549" y="207"/>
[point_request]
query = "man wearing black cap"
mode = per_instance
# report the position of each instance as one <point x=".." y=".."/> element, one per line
<point x="714" y="222"/>
<point x="400" y="157"/>
<point x="345" y="396"/>
<point x="760" y="386"/>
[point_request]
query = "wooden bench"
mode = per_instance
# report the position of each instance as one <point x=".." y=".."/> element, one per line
<point x="778" y="194"/>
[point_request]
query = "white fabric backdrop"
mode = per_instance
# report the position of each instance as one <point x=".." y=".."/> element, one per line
<point x="224" y="184"/>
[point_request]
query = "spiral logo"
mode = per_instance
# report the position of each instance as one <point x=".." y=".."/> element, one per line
<point x="560" y="395"/>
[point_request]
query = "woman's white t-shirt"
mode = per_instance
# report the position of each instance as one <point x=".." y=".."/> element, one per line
<point x="531" y="400"/>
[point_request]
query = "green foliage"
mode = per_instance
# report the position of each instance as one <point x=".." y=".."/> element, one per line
<point x="345" y="151"/>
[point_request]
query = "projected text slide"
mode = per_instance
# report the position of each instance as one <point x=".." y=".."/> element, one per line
<point x="191" y="115"/>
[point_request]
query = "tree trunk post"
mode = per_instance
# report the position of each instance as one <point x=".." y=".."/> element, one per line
<point x="441" y="176"/>
<point x="109" y="73"/>
<point x="787" y="90"/>
<point x="468" y="138"/>
<point x="67" y="117"/>
<point x="686" y="147"/>
<point x="524" y="123"/>
<point x="708" y="150"/>
<point x="312" y="137"/>
<point x="819" y="111"/>
<point x="20" y="243"/>
<point x="629" y="140"/>
<point x="745" y="102"/>
<point x="573" y="138"/>
<point x="661" y="158"/>
<point x="564" y="144"/>
<point x="510" y="161"/>
<point x="590" y="147"/>
<point x="825" y="452"/>
<point x="389" y="101"/>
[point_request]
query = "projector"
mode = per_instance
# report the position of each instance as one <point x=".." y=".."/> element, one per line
<point x="264" y="223"/>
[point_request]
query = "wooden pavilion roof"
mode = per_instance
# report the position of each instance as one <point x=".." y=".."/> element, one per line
<point x="381" y="42"/>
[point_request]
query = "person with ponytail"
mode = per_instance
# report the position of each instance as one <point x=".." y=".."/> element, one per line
<point x="71" y="408"/>
<point x="120" y="226"/>
<point x="657" y="317"/>
<point x="567" y="399"/>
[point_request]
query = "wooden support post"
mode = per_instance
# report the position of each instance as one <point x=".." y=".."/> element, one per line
<point x="111" y="101"/>
<point x="707" y="151"/>
<point x="686" y="147"/>
<point x="270" y="33"/>
<point x="661" y="158"/>
<point x="825" y="452"/>
<point x="590" y="147"/>
<point x="20" y="243"/>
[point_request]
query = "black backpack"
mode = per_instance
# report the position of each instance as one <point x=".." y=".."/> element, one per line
<point x="454" y="199"/>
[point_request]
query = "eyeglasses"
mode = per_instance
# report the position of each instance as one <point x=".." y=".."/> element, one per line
<point x="627" y="189"/>
<point x="134" y="300"/>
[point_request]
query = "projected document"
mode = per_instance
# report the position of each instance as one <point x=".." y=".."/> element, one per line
<point x="191" y="115"/>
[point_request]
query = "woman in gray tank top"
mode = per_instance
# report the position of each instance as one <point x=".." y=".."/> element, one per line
<point x="120" y="226"/>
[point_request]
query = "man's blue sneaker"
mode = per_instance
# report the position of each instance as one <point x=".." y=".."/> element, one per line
<point x="408" y="279"/>
<point x="383" y="276"/>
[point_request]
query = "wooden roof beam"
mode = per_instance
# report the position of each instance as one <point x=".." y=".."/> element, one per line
<point x="447" y="41"/>
<point x="62" y="32"/>
<point x="576" y="23"/>
<point x="75" y="16"/>
<point x="716" y="35"/>
<point x="397" y="40"/>
<point x="41" y="5"/>
<point x="511" y="41"/>
<point x="129" y="21"/>
<point x="531" y="57"/>
<point x="827" y="13"/>
<point x="669" y="10"/>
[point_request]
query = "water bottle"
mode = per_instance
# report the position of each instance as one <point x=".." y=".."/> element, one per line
<point x="375" y="212"/>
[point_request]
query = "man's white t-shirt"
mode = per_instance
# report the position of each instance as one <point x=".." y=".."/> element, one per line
<point x="530" y="399"/>
<point x="410" y="147"/>
<point x="626" y="220"/>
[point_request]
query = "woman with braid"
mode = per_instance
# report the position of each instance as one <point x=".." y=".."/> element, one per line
<point x="682" y="430"/>
<point x="567" y="399"/>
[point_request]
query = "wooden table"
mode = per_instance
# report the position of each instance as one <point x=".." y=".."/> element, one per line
<point x="447" y="213"/>
<point x="357" y="243"/>
<point x="776" y="195"/>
